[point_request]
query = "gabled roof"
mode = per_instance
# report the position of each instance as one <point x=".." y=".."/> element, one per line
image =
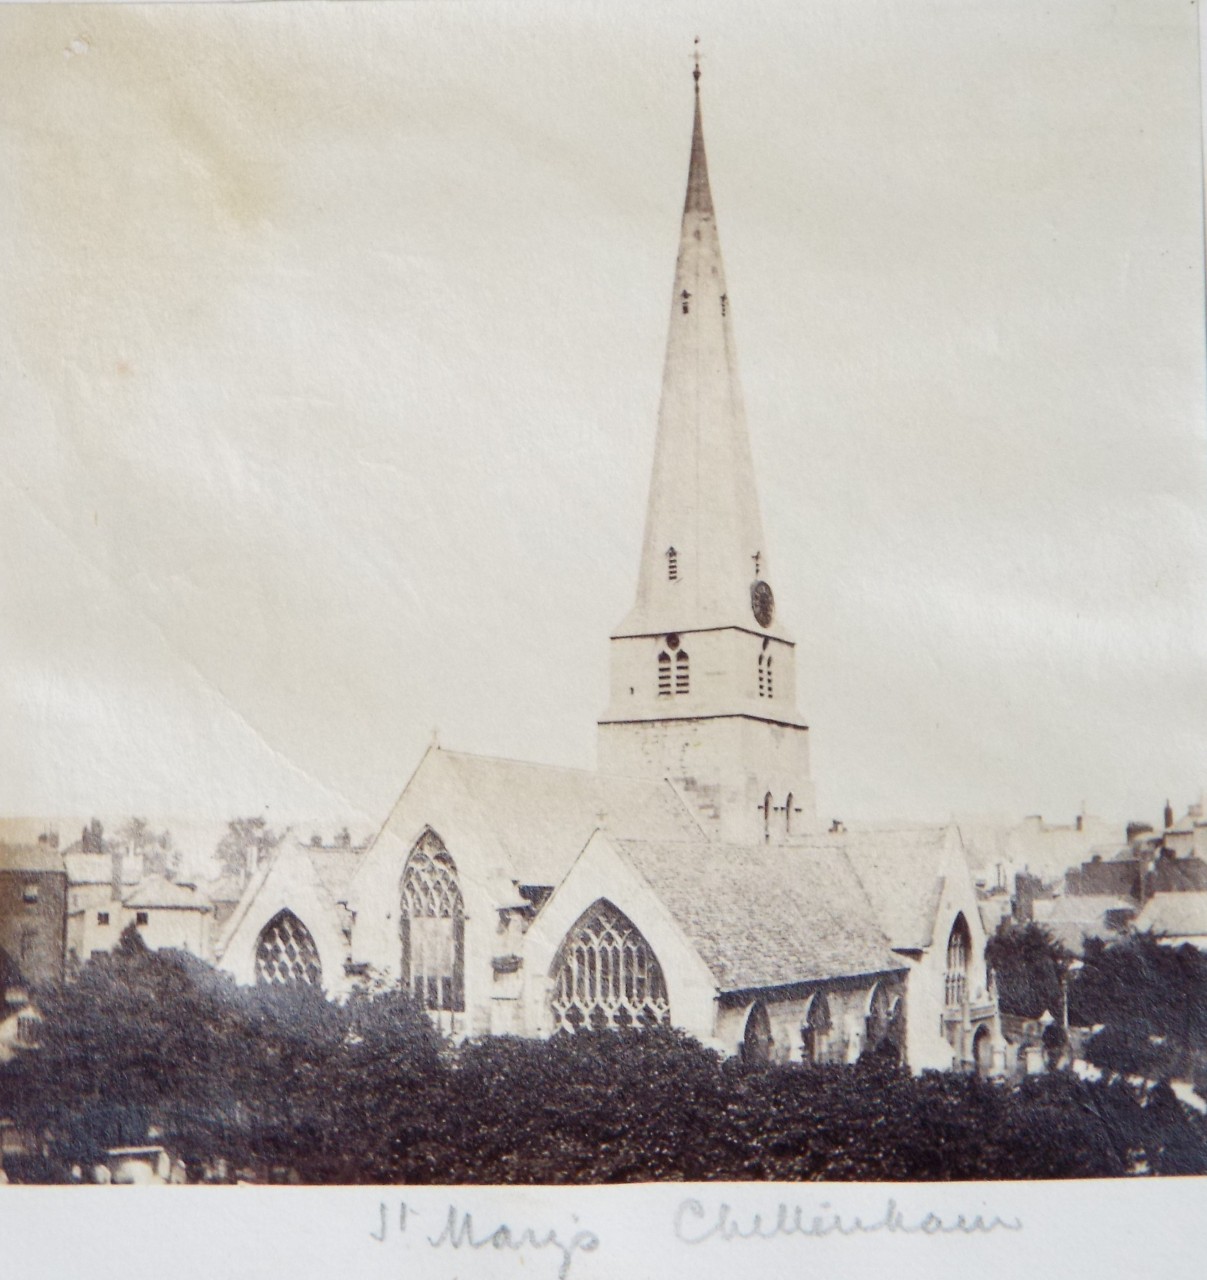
<point x="543" y="815"/>
<point x="902" y="872"/>
<point x="1179" y="915"/>
<point x="160" y="892"/>
<point x="765" y="915"/>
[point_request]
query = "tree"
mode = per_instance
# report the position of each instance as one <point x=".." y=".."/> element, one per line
<point x="158" y="854"/>
<point x="1150" y="1001"/>
<point x="1031" y="969"/>
<point x="247" y="844"/>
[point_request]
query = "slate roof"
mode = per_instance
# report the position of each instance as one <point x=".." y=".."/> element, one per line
<point x="1178" y="914"/>
<point x="335" y="868"/>
<point x="30" y="857"/>
<point x="159" y="892"/>
<point x="901" y="872"/>
<point x="764" y="915"/>
<point x="543" y="815"/>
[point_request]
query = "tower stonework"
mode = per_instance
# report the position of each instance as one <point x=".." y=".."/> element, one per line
<point x="703" y="683"/>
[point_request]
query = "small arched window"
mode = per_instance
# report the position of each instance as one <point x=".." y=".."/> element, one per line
<point x="672" y="564"/>
<point x="762" y="675"/>
<point x="770" y="685"/>
<point x="682" y="672"/>
<point x="757" y="1040"/>
<point x="606" y="975"/>
<point x="665" y="678"/>
<point x="432" y="922"/>
<point x="767" y="816"/>
<point x="959" y="954"/>
<point x="816" y="1029"/>
<point x="788" y="814"/>
<point x="286" y="954"/>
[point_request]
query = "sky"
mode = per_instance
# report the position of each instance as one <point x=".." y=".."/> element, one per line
<point x="330" y="348"/>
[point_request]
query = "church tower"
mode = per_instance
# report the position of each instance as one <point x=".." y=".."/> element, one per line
<point x="703" y="687"/>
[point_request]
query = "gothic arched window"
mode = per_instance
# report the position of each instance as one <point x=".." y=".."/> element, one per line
<point x="788" y="804"/>
<point x="606" y="975"/>
<point x="285" y="953"/>
<point x="959" y="954"/>
<point x="664" y="675"/>
<point x="432" y="921"/>
<point x="816" y="1028"/>
<point x="757" y="1040"/>
<point x="682" y="672"/>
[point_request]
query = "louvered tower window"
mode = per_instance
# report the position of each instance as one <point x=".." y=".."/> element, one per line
<point x="959" y="950"/>
<point x="286" y="954"/>
<point x="682" y="672"/>
<point x="672" y="564"/>
<point x="606" y="975"/>
<point x="433" y="927"/>
<point x="665" y="678"/>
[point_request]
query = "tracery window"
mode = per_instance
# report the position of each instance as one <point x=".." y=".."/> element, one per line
<point x="286" y="954"/>
<point x="959" y="950"/>
<point x="432" y="923"/>
<point x="606" y="975"/>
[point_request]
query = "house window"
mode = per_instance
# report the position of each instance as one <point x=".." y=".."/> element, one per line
<point x="285" y="953"/>
<point x="672" y="564"/>
<point x="433" y="927"/>
<point x="102" y="917"/>
<point x="30" y="893"/>
<point x="140" y="917"/>
<point x="682" y="672"/>
<point x="27" y="1029"/>
<point x="606" y="975"/>
<point x="959" y="951"/>
<point x="665" y="687"/>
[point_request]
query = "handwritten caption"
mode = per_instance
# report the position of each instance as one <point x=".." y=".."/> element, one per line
<point x="693" y="1222"/>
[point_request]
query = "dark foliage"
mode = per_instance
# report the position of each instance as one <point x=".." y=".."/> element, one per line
<point x="1150" y="1002"/>
<point x="283" y="1084"/>
<point x="1030" y="968"/>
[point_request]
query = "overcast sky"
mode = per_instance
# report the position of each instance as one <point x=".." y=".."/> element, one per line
<point x="330" y="348"/>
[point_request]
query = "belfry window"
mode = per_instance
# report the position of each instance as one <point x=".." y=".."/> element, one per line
<point x="672" y="564"/>
<point x="432" y="922"/>
<point x="685" y="298"/>
<point x="286" y="954"/>
<point x="682" y="672"/>
<point x="606" y="975"/>
<point x="665" y="688"/>
<point x="959" y="950"/>
<point x="766" y="687"/>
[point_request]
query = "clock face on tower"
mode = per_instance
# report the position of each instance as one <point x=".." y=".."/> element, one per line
<point x="762" y="603"/>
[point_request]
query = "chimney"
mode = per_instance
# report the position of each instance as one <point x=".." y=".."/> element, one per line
<point x="115" y="885"/>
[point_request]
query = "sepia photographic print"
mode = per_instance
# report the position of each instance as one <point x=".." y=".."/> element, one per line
<point x="599" y="594"/>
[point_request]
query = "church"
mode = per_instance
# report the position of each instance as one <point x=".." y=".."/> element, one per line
<point x="685" y="882"/>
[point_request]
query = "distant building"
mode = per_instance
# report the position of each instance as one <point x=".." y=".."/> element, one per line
<point x="33" y="912"/>
<point x="1176" y="918"/>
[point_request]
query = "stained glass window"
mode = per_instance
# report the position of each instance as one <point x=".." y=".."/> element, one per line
<point x="606" y="975"/>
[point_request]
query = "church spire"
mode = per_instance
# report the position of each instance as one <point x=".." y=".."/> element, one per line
<point x="703" y="531"/>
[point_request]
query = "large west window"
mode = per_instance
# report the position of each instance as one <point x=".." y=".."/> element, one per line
<point x="433" y="927"/>
<point x="285" y="953"/>
<point x="606" y="975"/>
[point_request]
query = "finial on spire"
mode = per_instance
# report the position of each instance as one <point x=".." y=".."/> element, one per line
<point x="696" y="61"/>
